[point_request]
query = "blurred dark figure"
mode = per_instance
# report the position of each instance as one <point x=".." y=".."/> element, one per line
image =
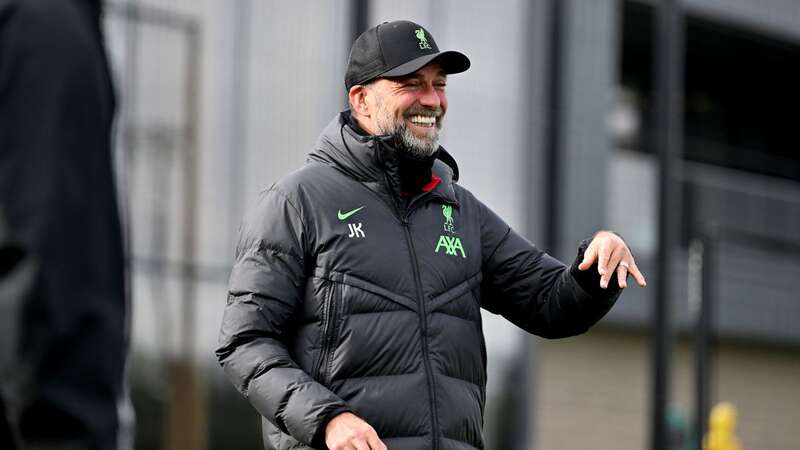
<point x="62" y="284"/>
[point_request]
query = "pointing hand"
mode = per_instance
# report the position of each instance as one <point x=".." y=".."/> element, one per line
<point x="612" y="256"/>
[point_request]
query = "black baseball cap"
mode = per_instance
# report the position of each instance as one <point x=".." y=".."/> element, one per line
<point x="396" y="49"/>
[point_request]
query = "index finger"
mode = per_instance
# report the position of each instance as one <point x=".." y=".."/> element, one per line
<point x="589" y="256"/>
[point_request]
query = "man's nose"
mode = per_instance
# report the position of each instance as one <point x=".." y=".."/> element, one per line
<point x="430" y="97"/>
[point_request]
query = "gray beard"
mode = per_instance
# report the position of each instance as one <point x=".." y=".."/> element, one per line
<point x="411" y="144"/>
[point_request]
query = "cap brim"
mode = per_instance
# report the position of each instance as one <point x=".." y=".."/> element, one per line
<point x="451" y="62"/>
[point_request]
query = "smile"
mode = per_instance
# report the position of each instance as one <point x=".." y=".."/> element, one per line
<point x="423" y="121"/>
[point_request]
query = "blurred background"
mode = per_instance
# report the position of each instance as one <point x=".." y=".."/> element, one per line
<point x="553" y="127"/>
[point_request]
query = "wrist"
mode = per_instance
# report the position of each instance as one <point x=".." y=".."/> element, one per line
<point x="322" y="431"/>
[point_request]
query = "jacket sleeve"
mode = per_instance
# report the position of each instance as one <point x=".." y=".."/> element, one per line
<point x="535" y="291"/>
<point x="264" y="297"/>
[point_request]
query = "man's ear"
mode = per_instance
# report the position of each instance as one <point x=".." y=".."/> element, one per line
<point x="358" y="100"/>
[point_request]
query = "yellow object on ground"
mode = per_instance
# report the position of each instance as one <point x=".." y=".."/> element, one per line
<point x="722" y="425"/>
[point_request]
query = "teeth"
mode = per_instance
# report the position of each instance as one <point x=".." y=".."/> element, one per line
<point x="423" y="120"/>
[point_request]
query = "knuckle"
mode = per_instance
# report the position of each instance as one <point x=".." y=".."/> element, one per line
<point x="362" y="433"/>
<point x="351" y="436"/>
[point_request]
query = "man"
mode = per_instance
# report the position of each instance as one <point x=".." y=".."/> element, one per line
<point x="353" y="318"/>
<point x="62" y="285"/>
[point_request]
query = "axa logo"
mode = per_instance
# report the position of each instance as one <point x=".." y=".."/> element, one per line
<point x="452" y="246"/>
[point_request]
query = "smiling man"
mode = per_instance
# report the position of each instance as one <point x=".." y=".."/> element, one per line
<point x="405" y="107"/>
<point x="353" y="318"/>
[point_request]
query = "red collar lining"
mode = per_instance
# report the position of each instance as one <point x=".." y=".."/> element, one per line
<point x="432" y="184"/>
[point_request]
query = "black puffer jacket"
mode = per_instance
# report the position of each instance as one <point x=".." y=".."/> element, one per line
<point x="343" y="298"/>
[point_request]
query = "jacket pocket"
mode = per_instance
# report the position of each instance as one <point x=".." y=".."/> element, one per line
<point x="332" y="310"/>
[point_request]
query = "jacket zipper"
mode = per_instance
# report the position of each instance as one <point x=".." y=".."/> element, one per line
<point x="424" y="323"/>
<point x="403" y="214"/>
<point x="328" y="326"/>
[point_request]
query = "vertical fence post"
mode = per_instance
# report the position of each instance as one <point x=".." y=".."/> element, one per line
<point x="668" y="132"/>
<point x="704" y="334"/>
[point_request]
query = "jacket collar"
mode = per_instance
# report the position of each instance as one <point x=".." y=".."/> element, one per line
<point x="372" y="160"/>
